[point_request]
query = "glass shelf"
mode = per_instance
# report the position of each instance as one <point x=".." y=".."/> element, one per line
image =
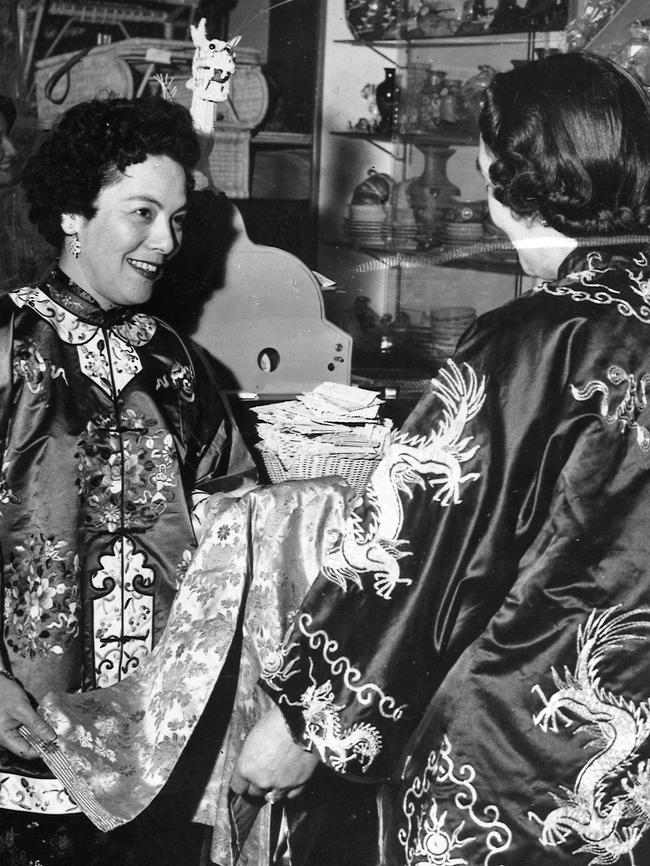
<point x="496" y="261"/>
<point x="443" y="137"/>
<point x="541" y="38"/>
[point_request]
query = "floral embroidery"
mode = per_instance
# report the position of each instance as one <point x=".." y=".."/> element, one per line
<point x="126" y="474"/>
<point x="183" y="565"/>
<point x="181" y="379"/>
<point x="123" y="616"/>
<point x="7" y="496"/>
<point x="86" y="739"/>
<point x="29" y="365"/>
<point x="138" y="330"/>
<point x="372" y="543"/>
<point x="608" y="808"/>
<point x="628" y="409"/>
<point x="598" y="293"/>
<point x="107" y="356"/>
<point x="41" y="597"/>
<point x="47" y="796"/>
<point x="71" y="329"/>
<point x="430" y="839"/>
<point x="109" y="362"/>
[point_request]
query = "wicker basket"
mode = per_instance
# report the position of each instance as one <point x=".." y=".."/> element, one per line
<point x="119" y="68"/>
<point x="356" y="471"/>
<point x="100" y="73"/>
<point x="230" y="162"/>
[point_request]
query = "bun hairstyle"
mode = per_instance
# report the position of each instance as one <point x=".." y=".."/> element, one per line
<point x="571" y="139"/>
<point x="92" y="144"/>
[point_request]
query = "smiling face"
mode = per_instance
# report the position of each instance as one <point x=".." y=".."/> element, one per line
<point x="138" y="226"/>
<point x="9" y="168"/>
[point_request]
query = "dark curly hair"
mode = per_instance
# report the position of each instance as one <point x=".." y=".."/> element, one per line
<point x="91" y="144"/>
<point x="571" y="139"/>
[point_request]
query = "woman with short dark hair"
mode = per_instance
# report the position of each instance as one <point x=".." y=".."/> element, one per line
<point x="110" y="425"/>
<point x="479" y="638"/>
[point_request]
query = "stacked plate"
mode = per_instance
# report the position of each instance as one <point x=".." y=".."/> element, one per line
<point x="366" y="225"/>
<point x="401" y="233"/>
<point x="365" y="234"/>
<point x="461" y="234"/>
<point x="447" y="326"/>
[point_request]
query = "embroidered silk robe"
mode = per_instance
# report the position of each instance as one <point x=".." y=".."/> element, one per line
<point x="480" y="633"/>
<point x="109" y="423"/>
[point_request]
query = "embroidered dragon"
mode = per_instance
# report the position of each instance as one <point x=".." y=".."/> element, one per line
<point x="609" y="805"/>
<point x="371" y="542"/>
<point x="338" y="745"/>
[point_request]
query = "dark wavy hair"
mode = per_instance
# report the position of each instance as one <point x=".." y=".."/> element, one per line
<point x="571" y="139"/>
<point x="92" y="144"/>
<point x="8" y="109"/>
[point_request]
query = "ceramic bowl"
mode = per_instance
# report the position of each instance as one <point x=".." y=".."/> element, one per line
<point x="462" y="210"/>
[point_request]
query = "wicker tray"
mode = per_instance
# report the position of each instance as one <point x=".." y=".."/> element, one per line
<point x="356" y="472"/>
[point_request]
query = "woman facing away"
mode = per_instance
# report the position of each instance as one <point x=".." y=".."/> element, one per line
<point x="480" y="636"/>
<point x="109" y="424"/>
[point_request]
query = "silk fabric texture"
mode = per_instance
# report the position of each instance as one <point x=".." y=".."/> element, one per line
<point x="116" y="747"/>
<point x="109" y="423"/>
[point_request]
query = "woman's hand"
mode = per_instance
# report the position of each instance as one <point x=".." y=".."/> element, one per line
<point x="16" y="710"/>
<point x="271" y="764"/>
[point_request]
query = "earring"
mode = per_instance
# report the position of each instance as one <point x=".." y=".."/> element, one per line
<point x="75" y="245"/>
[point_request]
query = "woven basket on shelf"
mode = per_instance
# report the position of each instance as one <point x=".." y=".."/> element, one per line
<point x="356" y="471"/>
<point x="230" y="161"/>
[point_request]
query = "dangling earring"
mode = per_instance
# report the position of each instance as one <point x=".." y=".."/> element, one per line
<point x="75" y="245"/>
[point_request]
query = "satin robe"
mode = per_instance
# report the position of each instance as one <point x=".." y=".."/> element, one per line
<point x="479" y="635"/>
<point x="109" y="422"/>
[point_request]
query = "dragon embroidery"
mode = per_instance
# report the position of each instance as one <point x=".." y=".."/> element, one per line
<point x="627" y="411"/>
<point x="608" y="808"/>
<point x="323" y="727"/>
<point x="333" y="742"/>
<point x="372" y="543"/>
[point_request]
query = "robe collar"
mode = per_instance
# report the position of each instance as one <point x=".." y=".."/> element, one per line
<point x="60" y="288"/>
<point x="581" y="259"/>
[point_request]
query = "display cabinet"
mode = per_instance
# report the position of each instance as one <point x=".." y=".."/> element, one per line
<point x="391" y="280"/>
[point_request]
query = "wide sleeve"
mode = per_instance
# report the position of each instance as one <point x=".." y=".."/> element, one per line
<point x="224" y="462"/>
<point x="430" y="551"/>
